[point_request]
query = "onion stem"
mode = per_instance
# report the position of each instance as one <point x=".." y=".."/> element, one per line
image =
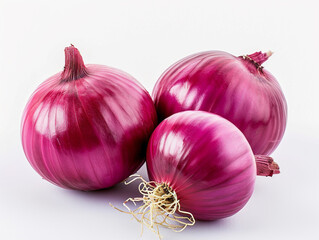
<point x="74" y="66"/>
<point x="258" y="58"/>
<point x="266" y="166"/>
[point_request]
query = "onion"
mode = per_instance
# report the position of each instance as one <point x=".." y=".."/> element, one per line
<point x="200" y="166"/>
<point x="236" y="88"/>
<point x="87" y="127"/>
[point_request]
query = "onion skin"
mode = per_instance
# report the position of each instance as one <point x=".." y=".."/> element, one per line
<point x="87" y="127"/>
<point x="206" y="160"/>
<point x="236" y="88"/>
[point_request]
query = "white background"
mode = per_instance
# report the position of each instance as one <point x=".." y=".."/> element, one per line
<point x="143" y="38"/>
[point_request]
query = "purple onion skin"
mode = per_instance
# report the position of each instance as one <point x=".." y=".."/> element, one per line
<point x="235" y="88"/>
<point x="206" y="160"/>
<point x="89" y="133"/>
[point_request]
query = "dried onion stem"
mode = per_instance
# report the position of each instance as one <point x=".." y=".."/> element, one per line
<point x="160" y="207"/>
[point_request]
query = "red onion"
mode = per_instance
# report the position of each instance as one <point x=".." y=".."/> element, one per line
<point x="206" y="160"/>
<point x="87" y="127"/>
<point x="200" y="166"/>
<point x="236" y="88"/>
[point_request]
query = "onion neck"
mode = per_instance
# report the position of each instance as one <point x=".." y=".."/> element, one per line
<point x="257" y="58"/>
<point x="74" y="66"/>
<point x="266" y="166"/>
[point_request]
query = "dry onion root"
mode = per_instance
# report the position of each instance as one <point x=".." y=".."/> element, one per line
<point x="160" y="207"/>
